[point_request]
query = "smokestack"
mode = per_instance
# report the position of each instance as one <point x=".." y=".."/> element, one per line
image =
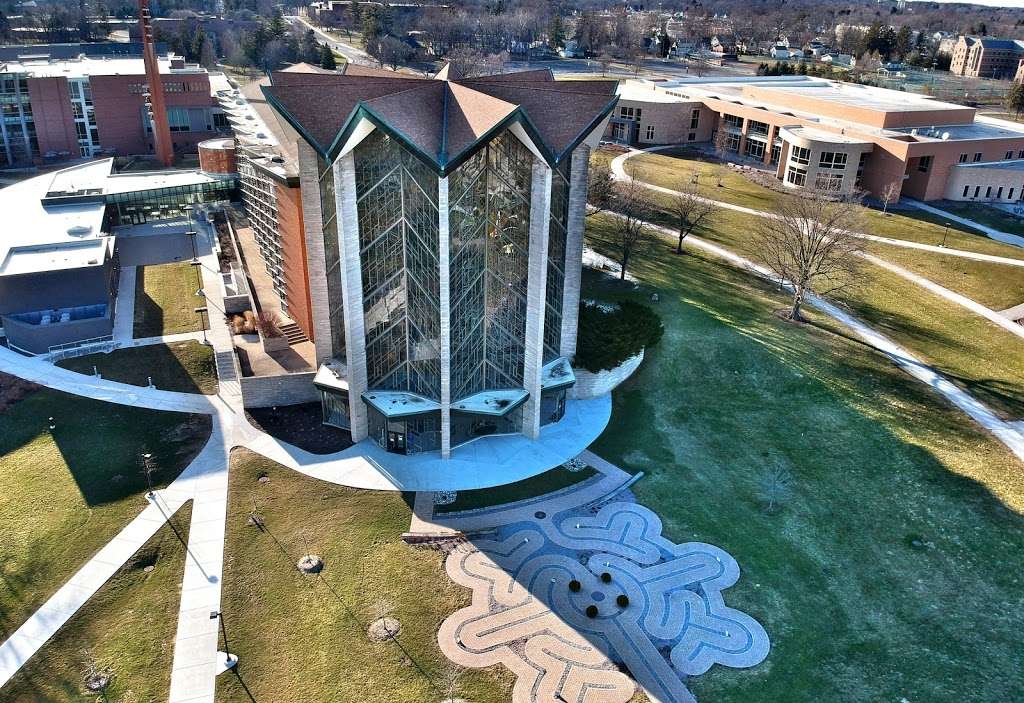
<point x="155" y="105"/>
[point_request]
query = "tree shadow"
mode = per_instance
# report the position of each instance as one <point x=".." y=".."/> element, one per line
<point x="149" y="316"/>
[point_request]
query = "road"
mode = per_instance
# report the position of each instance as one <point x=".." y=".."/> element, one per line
<point x="352" y="54"/>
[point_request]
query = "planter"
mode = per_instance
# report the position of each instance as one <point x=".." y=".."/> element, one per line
<point x="593" y="385"/>
<point x="274" y="344"/>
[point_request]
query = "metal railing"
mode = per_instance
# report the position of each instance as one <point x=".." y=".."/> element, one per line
<point x="69" y="350"/>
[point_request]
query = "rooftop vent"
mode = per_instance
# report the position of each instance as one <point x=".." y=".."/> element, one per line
<point x="80" y="230"/>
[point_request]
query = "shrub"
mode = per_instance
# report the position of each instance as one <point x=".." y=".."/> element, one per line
<point x="609" y="336"/>
<point x="575" y="586"/>
<point x="622" y="600"/>
<point x="591" y="611"/>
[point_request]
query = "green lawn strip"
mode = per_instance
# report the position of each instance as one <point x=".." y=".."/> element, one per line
<point x="66" y="493"/>
<point x="672" y="168"/>
<point x="971" y="351"/>
<point x="997" y="286"/>
<point x="165" y="300"/>
<point x="548" y="482"/>
<point x="187" y="367"/>
<point x="875" y="579"/>
<point x="986" y="215"/>
<point x="128" y="626"/>
<point x="304" y="638"/>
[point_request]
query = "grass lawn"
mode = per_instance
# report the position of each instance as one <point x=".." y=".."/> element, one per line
<point x="303" y="638"/>
<point x="66" y="493"/>
<point x="996" y="286"/>
<point x="542" y="484"/>
<point x="165" y="300"/>
<point x="128" y="626"/>
<point x="967" y="348"/>
<point x="670" y="168"/>
<point x="187" y="367"/>
<point x="894" y="569"/>
<point x="986" y="215"/>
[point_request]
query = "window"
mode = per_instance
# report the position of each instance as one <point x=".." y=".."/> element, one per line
<point x="988" y="192"/>
<point x="755" y="149"/>
<point x="1020" y="154"/>
<point x="758" y="128"/>
<point x="618" y="132"/>
<point x="832" y="159"/>
<point x="800" y="155"/>
<point x="691" y="137"/>
<point x="178" y="119"/>
<point x="829" y="182"/>
<point x="776" y="153"/>
<point x="977" y="156"/>
<point x="732" y="142"/>
<point x="924" y="163"/>
<point x="1010" y="196"/>
<point x="966" y="188"/>
<point x="650" y="132"/>
<point x="977" y="189"/>
<point x="626" y="112"/>
<point x="733" y="121"/>
<point x="695" y="119"/>
<point x="963" y="158"/>
<point x="999" y="193"/>
<point x="796" y="176"/>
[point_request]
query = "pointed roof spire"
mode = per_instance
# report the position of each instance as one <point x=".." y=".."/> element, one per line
<point x="448" y="73"/>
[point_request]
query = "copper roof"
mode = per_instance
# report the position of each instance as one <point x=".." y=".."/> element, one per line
<point x="443" y="120"/>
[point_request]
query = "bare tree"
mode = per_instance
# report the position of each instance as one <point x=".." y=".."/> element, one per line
<point x="689" y="210"/>
<point x="722" y="142"/>
<point x="449" y="682"/>
<point x="810" y="245"/>
<point x="605" y="60"/>
<point x="600" y="187"/>
<point x="775" y="486"/>
<point x="631" y="231"/>
<point x="890" y="194"/>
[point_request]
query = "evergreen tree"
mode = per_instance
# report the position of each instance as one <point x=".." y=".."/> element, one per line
<point x="556" y="32"/>
<point x="1015" y="99"/>
<point x="327" y="59"/>
<point x="277" y="27"/>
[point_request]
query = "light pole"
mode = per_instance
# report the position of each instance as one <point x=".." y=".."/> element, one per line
<point x="199" y="311"/>
<point x="147" y="471"/>
<point x="229" y="661"/>
<point x="945" y="232"/>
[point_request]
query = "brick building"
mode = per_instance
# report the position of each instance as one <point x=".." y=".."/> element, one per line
<point x="88" y="106"/>
<point x="832" y="137"/>
<point x="986" y="57"/>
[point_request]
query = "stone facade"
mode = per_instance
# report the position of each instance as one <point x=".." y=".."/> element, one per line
<point x="594" y="385"/>
<point x="282" y="389"/>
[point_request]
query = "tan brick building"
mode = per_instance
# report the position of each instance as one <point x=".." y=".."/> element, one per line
<point x="827" y="136"/>
<point x="986" y="57"/>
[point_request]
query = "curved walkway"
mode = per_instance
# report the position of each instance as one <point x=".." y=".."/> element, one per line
<point x="1004" y="237"/>
<point x="1005" y="432"/>
<point x="619" y="172"/>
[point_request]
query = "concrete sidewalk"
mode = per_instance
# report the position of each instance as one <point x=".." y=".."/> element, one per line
<point x="998" y="235"/>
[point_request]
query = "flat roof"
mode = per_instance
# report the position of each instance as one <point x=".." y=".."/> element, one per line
<point x="54" y="221"/>
<point x="93" y="66"/>
<point x="394" y="404"/>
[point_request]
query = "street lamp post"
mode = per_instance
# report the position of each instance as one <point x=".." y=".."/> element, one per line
<point x="199" y="311"/>
<point x="228" y="661"/>
<point x="945" y="232"/>
<point x="147" y="470"/>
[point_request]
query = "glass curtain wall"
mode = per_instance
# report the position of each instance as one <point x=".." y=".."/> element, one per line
<point x="556" y="260"/>
<point x="489" y="219"/>
<point x="398" y="242"/>
<point x="332" y="258"/>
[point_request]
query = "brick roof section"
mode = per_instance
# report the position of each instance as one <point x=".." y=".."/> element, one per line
<point x="442" y="119"/>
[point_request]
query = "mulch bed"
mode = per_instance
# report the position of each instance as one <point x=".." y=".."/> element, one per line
<point x="300" y="425"/>
<point x="13" y="389"/>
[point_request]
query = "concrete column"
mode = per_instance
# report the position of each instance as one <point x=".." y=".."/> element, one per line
<point x="743" y="138"/>
<point x="575" y="226"/>
<point x="313" y="225"/>
<point x="537" y="267"/>
<point x="773" y="132"/>
<point x="444" y="304"/>
<point x="352" y="291"/>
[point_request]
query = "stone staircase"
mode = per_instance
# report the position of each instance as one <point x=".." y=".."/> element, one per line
<point x="294" y="334"/>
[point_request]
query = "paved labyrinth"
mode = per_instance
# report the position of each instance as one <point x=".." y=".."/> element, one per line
<point x="524" y="614"/>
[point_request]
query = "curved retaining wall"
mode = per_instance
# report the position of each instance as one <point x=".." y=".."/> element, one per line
<point x="592" y="385"/>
